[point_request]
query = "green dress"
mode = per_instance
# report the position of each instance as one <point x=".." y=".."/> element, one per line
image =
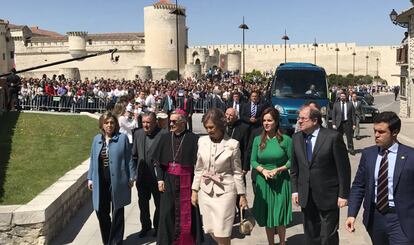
<point x="272" y="202"/>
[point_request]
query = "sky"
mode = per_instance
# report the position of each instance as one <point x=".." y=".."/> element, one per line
<point x="365" y="22"/>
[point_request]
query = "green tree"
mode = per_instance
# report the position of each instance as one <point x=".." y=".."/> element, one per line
<point x="171" y="75"/>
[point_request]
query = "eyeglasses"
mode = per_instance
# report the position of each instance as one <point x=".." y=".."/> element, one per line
<point x="173" y="122"/>
<point x="303" y="119"/>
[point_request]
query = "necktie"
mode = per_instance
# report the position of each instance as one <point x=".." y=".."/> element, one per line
<point x="308" y="141"/>
<point x="382" y="186"/>
<point x="343" y="111"/>
<point x="253" y="110"/>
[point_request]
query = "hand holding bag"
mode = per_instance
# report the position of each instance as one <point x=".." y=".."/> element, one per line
<point x="247" y="222"/>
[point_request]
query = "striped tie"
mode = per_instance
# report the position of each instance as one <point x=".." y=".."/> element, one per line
<point x="253" y="110"/>
<point x="382" y="187"/>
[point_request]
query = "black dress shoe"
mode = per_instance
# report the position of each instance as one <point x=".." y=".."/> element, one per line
<point x="143" y="233"/>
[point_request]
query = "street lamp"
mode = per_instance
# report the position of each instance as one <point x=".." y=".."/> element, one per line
<point x="353" y="63"/>
<point x="315" y="45"/>
<point x="337" y="51"/>
<point x="393" y="17"/>
<point x="244" y="27"/>
<point x="285" y="38"/>
<point x="377" y="59"/>
<point x="366" y="73"/>
<point x="177" y="12"/>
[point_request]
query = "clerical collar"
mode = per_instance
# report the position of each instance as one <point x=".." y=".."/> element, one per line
<point x="180" y="134"/>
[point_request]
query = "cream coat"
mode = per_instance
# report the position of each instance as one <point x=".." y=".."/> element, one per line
<point x="217" y="193"/>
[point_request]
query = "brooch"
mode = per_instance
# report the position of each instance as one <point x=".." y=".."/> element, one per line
<point x="402" y="157"/>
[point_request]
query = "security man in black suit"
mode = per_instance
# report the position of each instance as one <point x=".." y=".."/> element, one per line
<point x="344" y="120"/>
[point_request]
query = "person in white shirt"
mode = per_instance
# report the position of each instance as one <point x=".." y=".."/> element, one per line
<point x="127" y="122"/>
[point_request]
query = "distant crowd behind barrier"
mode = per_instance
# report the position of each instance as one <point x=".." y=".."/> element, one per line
<point x="96" y="95"/>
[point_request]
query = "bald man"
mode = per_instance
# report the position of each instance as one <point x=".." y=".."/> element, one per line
<point x="238" y="131"/>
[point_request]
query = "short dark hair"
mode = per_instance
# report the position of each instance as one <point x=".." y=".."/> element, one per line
<point x="313" y="102"/>
<point x="217" y="117"/>
<point x="150" y="114"/>
<point x="390" y="117"/>
<point x="315" y="114"/>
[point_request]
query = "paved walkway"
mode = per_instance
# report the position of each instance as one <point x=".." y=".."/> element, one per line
<point x="84" y="229"/>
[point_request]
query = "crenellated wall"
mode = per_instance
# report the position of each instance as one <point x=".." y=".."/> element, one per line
<point x="268" y="57"/>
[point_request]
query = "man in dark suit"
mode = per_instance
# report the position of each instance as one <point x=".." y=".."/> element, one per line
<point x="146" y="141"/>
<point x="320" y="177"/>
<point x="251" y="111"/>
<point x="167" y="102"/>
<point x="358" y="114"/>
<point x="235" y="102"/>
<point x="238" y="131"/>
<point x="187" y="105"/>
<point x="385" y="181"/>
<point x="343" y="120"/>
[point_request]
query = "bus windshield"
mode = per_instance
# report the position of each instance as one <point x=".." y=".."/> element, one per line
<point x="304" y="84"/>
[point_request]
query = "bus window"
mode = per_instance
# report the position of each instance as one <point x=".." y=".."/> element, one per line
<point x="304" y="84"/>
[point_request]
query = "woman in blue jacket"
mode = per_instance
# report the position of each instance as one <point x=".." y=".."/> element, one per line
<point x="110" y="178"/>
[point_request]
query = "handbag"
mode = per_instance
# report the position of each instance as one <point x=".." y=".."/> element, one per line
<point x="247" y="222"/>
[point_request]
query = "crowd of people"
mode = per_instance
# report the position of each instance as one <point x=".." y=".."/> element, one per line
<point x="198" y="184"/>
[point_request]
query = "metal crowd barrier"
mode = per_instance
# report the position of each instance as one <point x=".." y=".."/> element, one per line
<point x="62" y="103"/>
<point x="88" y="104"/>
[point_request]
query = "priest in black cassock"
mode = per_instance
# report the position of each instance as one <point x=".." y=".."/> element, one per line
<point x="180" y="222"/>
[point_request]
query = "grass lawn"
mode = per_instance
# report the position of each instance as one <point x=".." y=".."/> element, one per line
<point x="38" y="149"/>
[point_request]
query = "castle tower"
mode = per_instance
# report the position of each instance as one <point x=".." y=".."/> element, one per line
<point x="77" y="43"/>
<point x="161" y="36"/>
<point x="6" y="48"/>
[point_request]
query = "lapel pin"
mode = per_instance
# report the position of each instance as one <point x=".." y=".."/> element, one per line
<point x="402" y="157"/>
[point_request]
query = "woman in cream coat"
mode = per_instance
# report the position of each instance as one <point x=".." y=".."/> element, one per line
<point x="218" y="178"/>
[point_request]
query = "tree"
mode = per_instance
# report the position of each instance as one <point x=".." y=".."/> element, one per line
<point x="171" y="75"/>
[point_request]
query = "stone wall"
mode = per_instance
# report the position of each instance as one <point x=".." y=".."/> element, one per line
<point x="269" y="56"/>
<point x="38" y="221"/>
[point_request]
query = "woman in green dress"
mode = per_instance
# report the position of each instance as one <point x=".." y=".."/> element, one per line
<point x="271" y="152"/>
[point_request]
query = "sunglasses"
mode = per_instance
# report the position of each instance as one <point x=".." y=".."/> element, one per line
<point x="173" y="122"/>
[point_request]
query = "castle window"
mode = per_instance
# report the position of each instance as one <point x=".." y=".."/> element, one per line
<point x="170" y="41"/>
<point x="11" y="54"/>
<point x="4" y="56"/>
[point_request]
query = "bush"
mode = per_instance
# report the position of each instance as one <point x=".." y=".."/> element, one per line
<point x="171" y="75"/>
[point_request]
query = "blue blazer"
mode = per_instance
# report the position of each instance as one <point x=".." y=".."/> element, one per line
<point x="120" y="167"/>
<point x="363" y="188"/>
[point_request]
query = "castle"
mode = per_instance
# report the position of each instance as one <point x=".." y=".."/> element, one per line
<point x="153" y="53"/>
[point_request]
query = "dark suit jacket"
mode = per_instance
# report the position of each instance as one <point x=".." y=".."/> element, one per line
<point x="363" y="187"/>
<point x="245" y="114"/>
<point x="142" y="156"/>
<point x="190" y="105"/>
<point x="164" y="104"/>
<point x="358" y="109"/>
<point x="241" y="133"/>
<point x="327" y="176"/>
<point x="337" y="113"/>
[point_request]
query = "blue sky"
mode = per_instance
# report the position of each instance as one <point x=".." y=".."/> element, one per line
<point x="365" y="22"/>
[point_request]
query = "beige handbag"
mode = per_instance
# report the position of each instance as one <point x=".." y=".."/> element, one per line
<point x="247" y="222"/>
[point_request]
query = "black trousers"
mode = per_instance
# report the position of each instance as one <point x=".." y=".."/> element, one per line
<point x="320" y="226"/>
<point x="385" y="229"/>
<point x="190" y="123"/>
<point x="147" y="187"/>
<point x="346" y="127"/>
<point x="112" y="231"/>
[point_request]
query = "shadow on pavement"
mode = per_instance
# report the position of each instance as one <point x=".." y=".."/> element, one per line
<point x="134" y="239"/>
<point x="8" y="123"/>
<point x="71" y="231"/>
<point x="296" y="239"/>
